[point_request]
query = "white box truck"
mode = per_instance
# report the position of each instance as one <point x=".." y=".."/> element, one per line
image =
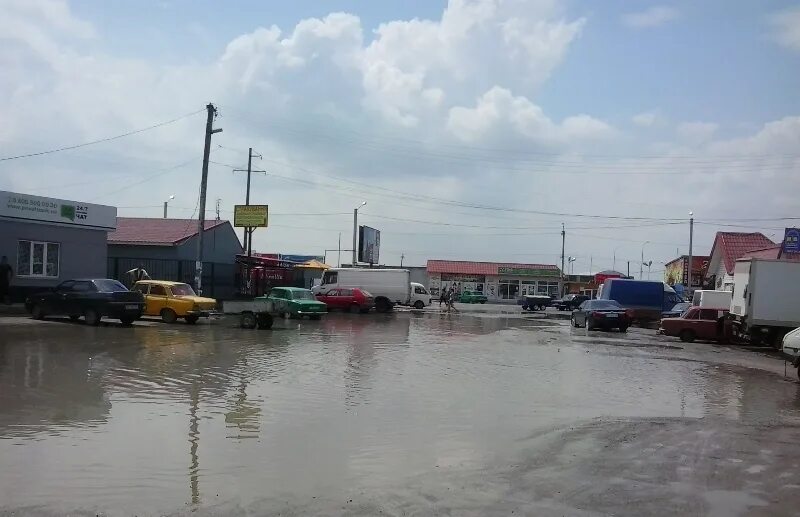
<point x="708" y="299"/>
<point x="389" y="287"/>
<point x="766" y="299"/>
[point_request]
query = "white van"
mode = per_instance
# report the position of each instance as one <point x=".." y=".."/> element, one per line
<point x="708" y="299"/>
<point x="389" y="287"/>
<point x="420" y="297"/>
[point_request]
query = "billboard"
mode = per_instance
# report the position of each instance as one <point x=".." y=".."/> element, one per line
<point x="250" y="216"/>
<point x="369" y="244"/>
<point x="61" y="211"/>
<point x="791" y="240"/>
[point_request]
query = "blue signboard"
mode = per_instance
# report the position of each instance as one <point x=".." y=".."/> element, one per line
<point x="791" y="240"/>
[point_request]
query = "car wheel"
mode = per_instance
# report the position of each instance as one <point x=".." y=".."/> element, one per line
<point x="37" y="312"/>
<point x="127" y="320"/>
<point x="365" y="310"/>
<point x="623" y="328"/>
<point x="798" y="372"/>
<point x="482" y="302"/>
<point x="419" y="305"/>
<point x="590" y="323"/>
<point x="574" y="322"/>
<point x="264" y="321"/>
<point x="686" y="335"/>
<point x="383" y="305"/>
<point x="92" y="317"/>
<point x="354" y="308"/>
<point x="191" y="320"/>
<point x="247" y="320"/>
<point x="168" y="316"/>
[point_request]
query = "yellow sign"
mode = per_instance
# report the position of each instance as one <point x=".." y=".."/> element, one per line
<point x="250" y="216"/>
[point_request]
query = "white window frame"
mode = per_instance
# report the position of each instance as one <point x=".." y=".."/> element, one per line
<point x="43" y="274"/>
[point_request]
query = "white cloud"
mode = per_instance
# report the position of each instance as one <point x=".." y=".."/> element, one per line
<point x="652" y="17"/>
<point x="696" y="132"/>
<point x="786" y="27"/>
<point x="645" y="119"/>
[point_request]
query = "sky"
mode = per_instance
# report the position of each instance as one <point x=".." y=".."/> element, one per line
<point x="472" y="128"/>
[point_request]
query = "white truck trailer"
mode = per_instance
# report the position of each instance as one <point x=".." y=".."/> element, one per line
<point x="766" y="300"/>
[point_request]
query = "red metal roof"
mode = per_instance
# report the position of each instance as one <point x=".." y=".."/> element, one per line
<point x="156" y="232"/>
<point x="772" y="253"/>
<point x="463" y="267"/>
<point x="733" y="245"/>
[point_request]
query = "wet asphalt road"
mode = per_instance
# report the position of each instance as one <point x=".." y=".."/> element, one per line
<point x="401" y="414"/>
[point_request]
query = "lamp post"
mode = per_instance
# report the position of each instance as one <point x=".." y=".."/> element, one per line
<point x="571" y="261"/>
<point x="648" y="264"/>
<point x="641" y="264"/>
<point x="614" y="265"/>
<point x="166" y="203"/>
<point x="355" y="233"/>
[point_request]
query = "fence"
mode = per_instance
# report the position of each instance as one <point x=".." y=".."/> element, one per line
<point x="219" y="280"/>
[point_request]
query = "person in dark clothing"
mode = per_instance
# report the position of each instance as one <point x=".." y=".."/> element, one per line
<point x="5" y="279"/>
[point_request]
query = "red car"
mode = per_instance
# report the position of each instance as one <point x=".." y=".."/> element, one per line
<point x="348" y="299"/>
<point x="697" y="323"/>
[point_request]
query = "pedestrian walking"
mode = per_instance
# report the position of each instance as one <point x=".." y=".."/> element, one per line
<point x="442" y="296"/>
<point x="451" y="301"/>
<point x="5" y="279"/>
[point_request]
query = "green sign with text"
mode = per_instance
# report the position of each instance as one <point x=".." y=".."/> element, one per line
<point x="521" y="271"/>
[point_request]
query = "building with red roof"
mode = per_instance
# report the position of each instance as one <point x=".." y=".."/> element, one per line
<point x="499" y="281"/>
<point x="727" y="249"/>
<point x="167" y="249"/>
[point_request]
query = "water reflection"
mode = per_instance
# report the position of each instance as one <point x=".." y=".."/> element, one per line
<point x="104" y="417"/>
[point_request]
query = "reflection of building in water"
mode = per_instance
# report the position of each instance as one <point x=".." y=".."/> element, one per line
<point x="49" y="384"/>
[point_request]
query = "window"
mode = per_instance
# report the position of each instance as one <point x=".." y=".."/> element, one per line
<point x="279" y="293"/>
<point x="157" y="290"/>
<point x="65" y="286"/>
<point x="420" y="290"/>
<point x="82" y="287"/>
<point x="142" y="288"/>
<point x="182" y="290"/>
<point x="346" y="292"/>
<point x="330" y="277"/>
<point x="709" y="314"/>
<point x="37" y="259"/>
<point x="110" y="286"/>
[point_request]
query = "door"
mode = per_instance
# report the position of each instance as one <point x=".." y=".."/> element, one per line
<point x="332" y="299"/>
<point x="707" y="327"/>
<point x="156" y="301"/>
<point x="79" y="298"/>
<point x="55" y="303"/>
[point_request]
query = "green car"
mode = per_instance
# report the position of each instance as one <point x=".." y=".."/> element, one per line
<point x="296" y="302"/>
<point x="472" y="297"/>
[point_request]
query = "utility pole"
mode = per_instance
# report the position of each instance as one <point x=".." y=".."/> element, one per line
<point x="248" y="232"/>
<point x="339" y="257"/>
<point x="201" y="218"/>
<point x="563" y="234"/>
<point x="629" y="268"/>
<point x="402" y="256"/>
<point x="355" y="233"/>
<point x="689" y="267"/>
<point x="219" y="200"/>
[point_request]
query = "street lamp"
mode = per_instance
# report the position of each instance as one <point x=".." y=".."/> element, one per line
<point x="165" y="204"/>
<point x="689" y="266"/>
<point x="641" y="264"/>
<point x="571" y="261"/>
<point x="614" y="266"/>
<point x="648" y="264"/>
<point x="355" y="232"/>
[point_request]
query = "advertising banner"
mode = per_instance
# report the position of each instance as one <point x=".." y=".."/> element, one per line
<point x="250" y="216"/>
<point x="45" y="209"/>
<point x="369" y="245"/>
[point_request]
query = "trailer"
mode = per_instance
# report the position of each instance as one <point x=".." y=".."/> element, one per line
<point x="765" y="304"/>
<point x="259" y="312"/>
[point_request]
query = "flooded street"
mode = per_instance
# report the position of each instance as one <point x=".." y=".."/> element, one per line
<point x="400" y="414"/>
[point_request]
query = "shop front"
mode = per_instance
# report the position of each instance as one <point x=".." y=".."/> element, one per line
<point x="500" y="282"/>
<point x="47" y="240"/>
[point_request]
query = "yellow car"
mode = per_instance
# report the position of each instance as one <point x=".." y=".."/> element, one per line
<point x="173" y="300"/>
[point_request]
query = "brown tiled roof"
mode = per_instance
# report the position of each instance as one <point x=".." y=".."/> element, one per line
<point x="147" y="231"/>
<point x="462" y="267"/>
<point x="772" y="253"/>
<point x="733" y="245"/>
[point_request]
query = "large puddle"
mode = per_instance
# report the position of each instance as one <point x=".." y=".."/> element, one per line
<point x="319" y="417"/>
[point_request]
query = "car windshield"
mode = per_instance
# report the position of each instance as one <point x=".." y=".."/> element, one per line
<point x="182" y="290"/>
<point x="599" y="305"/>
<point x="302" y="295"/>
<point x="109" y="286"/>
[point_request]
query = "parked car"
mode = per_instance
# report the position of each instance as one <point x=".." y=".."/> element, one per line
<point x="297" y="302"/>
<point x="570" y="302"/>
<point x="607" y="314"/>
<point x="791" y="347"/>
<point x="676" y="310"/>
<point x="347" y="299"/>
<point x="420" y="297"/>
<point x="532" y="302"/>
<point x="91" y="298"/>
<point x="472" y="297"/>
<point x="698" y="323"/>
<point x="390" y="287"/>
<point x="173" y="300"/>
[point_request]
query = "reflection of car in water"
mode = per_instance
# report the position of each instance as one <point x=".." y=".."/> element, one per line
<point x="93" y="299"/>
<point x="173" y="300"/>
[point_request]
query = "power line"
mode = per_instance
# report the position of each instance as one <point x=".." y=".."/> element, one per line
<point x="76" y="146"/>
